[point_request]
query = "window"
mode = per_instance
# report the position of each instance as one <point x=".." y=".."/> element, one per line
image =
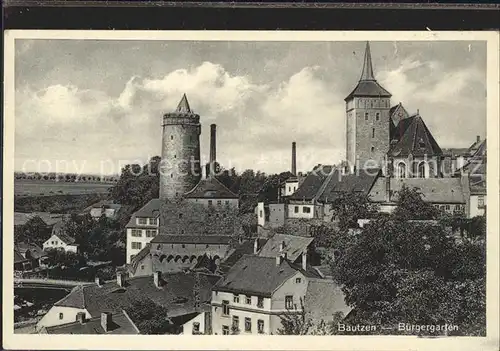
<point x="289" y="189"/>
<point x="373" y="132"/>
<point x="377" y="116"/>
<point x="260" y="213"/>
<point x="306" y="210"/>
<point x="260" y="326"/>
<point x="142" y="266"/>
<point x="153" y="221"/>
<point x="372" y="149"/>
<point x="210" y="202"/>
<point x="401" y="170"/>
<point x="298" y="280"/>
<point x="260" y="302"/>
<point x="136" y="245"/>
<point x="142" y="221"/>
<point x="183" y="246"/>
<point x="236" y="298"/>
<point x="136" y="232"/>
<point x="421" y="170"/>
<point x="296" y="209"/>
<point x="61" y="316"/>
<point x="366" y="116"/>
<point x="225" y="330"/>
<point x="236" y="322"/>
<point x="150" y="233"/>
<point x="219" y="202"/>
<point x="180" y="215"/>
<point x="248" y="300"/>
<point x="175" y="156"/>
<point x="171" y="137"/>
<point x="480" y="202"/>
<point x="248" y="324"/>
<point x="196" y="327"/>
<point x="227" y="202"/>
<point x="289" y="302"/>
<point x="225" y="308"/>
<point x="447" y="207"/>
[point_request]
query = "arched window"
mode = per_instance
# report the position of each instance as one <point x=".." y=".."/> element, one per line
<point x="401" y="170"/>
<point x="421" y="170"/>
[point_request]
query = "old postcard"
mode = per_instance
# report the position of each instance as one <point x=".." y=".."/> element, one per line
<point x="251" y="190"/>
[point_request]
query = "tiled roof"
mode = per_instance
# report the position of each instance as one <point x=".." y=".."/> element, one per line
<point x="121" y="324"/>
<point x="35" y="251"/>
<point x="58" y="230"/>
<point x="342" y="183"/>
<point x="246" y="248"/>
<point x="150" y="210"/>
<point x="110" y="297"/>
<point x="312" y="184"/>
<point x="294" y="246"/>
<point x="210" y="188"/>
<point x="18" y="257"/>
<point x="183" y="105"/>
<point x="105" y="203"/>
<point x="257" y="275"/>
<point x="324" y="298"/>
<point x="434" y="190"/>
<point x="413" y="137"/>
<point x="476" y="165"/>
<point x="398" y="108"/>
<point x="192" y="239"/>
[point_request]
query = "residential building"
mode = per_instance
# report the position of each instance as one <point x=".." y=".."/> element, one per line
<point x="21" y="218"/>
<point x="106" y="323"/>
<point x="294" y="247"/>
<point x="211" y="192"/>
<point x="199" y="324"/>
<point x="28" y="256"/>
<point x="255" y="292"/>
<point x="142" y="227"/>
<point x="60" y="239"/>
<point x="175" y="291"/>
<point x="103" y="207"/>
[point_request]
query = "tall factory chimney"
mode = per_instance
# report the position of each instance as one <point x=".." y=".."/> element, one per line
<point x="294" y="158"/>
<point x="212" y="165"/>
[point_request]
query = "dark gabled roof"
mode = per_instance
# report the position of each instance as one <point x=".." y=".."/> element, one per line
<point x="345" y="183"/>
<point x="312" y="184"/>
<point x="121" y="324"/>
<point x="294" y="246"/>
<point x="18" y="258"/>
<point x="245" y="248"/>
<point x="35" y="251"/>
<point x="192" y="239"/>
<point x="151" y="210"/>
<point x="110" y="297"/>
<point x="413" y="137"/>
<point x="210" y="188"/>
<point x="397" y="107"/>
<point x="257" y="275"/>
<point x="58" y="230"/>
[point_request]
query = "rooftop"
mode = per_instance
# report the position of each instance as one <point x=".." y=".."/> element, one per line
<point x="150" y="210"/>
<point x="175" y="293"/>
<point x="342" y="183"/>
<point x="210" y="188"/>
<point x="21" y="218"/>
<point x="258" y="275"/>
<point x="411" y="136"/>
<point x="192" y="239"/>
<point x="245" y="248"/>
<point x="313" y="182"/>
<point x="120" y="324"/>
<point x="293" y="246"/>
<point x="324" y="298"/>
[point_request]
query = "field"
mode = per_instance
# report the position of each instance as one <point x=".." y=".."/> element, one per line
<point x="24" y="188"/>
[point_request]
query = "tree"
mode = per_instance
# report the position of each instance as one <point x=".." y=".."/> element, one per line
<point x="413" y="271"/>
<point x="348" y="207"/>
<point x="35" y="230"/>
<point x="150" y="317"/>
<point x="295" y="323"/>
<point x="411" y="205"/>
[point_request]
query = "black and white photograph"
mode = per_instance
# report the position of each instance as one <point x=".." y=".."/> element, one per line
<point x="236" y="187"/>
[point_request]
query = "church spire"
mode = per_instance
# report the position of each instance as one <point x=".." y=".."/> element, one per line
<point x="367" y="73"/>
<point x="183" y="105"/>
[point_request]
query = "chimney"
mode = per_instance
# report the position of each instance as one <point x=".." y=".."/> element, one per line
<point x="304" y="260"/>
<point x="157" y="279"/>
<point x="80" y="317"/>
<point x="98" y="281"/>
<point x="279" y="259"/>
<point x="478" y="138"/>
<point x="387" y="189"/>
<point x="282" y="246"/>
<point x="256" y="246"/>
<point x="120" y="279"/>
<point x="213" y="148"/>
<point x="106" y="320"/>
<point x="294" y="158"/>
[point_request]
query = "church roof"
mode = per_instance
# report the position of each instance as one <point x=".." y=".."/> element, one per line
<point x="367" y="85"/>
<point x="210" y="188"/>
<point x="396" y="108"/>
<point x="412" y="136"/>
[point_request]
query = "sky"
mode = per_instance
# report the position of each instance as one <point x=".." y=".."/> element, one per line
<point x="91" y="106"/>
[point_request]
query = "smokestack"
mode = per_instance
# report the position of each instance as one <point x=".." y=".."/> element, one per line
<point x="106" y="320"/>
<point x="304" y="260"/>
<point x="256" y="246"/>
<point x="294" y="158"/>
<point x="282" y="246"/>
<point x="478" y="138"/>
<point x="157" y="278"/>
<point x="213" y="148"/>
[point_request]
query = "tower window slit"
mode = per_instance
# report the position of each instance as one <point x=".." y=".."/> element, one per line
<point x="373" y="132"/>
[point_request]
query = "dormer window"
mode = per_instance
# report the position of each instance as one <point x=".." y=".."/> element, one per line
<point x="421" y="143"/>
<point x="366" y="116"/>
<point x="377" y="116"/>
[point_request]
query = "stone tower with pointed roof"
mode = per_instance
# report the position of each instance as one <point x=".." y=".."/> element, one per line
<point x="368" y="120"/>
<point x="180" y="166"/>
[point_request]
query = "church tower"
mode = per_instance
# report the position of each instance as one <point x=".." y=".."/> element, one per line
<point x="180" y="166"/>
<point x="368" y="120"/>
